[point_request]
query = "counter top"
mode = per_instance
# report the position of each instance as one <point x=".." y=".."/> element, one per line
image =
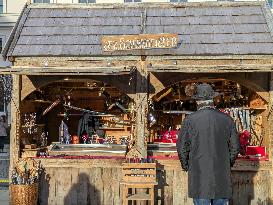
<point x="116" y="161"/>
<point x="82" y="150"/>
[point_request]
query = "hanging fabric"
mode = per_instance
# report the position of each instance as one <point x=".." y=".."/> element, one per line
<point x="64" y="136"/>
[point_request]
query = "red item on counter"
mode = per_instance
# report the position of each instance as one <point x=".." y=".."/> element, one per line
<point x="245" y="138"/>
<point x="258" y="151"/>
<point x="75" y="139"/>
<point x="168" y="136"/>
<point x="101" y="140"/>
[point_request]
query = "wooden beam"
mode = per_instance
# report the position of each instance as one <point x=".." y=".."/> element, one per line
<point x="270" y="124"/>
<point x="210" y="57"/>
<point x="39" y="59"/>
<point x="210" y="68"/>
<point x="61" y="61"/>
<point x="126" y="61"/>
<point x="20" y="70"/>
<point x="125" y="70"/>
<point x="228" y="63"/>
<point x="15" y="121"/>
<point x="237" y="62"/>
<point x="155" y="85"/>
<point x="141" y="100"/>
<point x="29" y="87"/>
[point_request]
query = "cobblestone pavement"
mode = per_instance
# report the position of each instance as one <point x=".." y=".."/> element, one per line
<point x="4" y="195"/>
<point x="4" y="168"/>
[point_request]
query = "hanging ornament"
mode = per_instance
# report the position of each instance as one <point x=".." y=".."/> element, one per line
<point x="190" y="89"/>
<point x="151" y="119"/>
<point x="6" y="87"/>
<point x="29" y="123"/>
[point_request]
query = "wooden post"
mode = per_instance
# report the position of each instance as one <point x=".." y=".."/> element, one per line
<point x="15" y="121"/>
<point x="270" y="123"/>
<point x="141" y="100"/>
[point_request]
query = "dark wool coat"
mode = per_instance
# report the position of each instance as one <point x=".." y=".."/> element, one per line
<point x="207" y="147"/>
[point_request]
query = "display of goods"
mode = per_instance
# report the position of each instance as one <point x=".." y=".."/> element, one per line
<point x="75" y="139"/>
<point x="101" y="140"/>
<point x="167" y="136"/>
<point x="245" y="138"/>
<point x="257" y="151"/>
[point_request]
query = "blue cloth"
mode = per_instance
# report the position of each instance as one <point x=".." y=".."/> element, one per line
<point x="210" y="201"/>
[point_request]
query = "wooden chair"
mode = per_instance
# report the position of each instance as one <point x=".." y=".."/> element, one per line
<point x="138" y="176"/>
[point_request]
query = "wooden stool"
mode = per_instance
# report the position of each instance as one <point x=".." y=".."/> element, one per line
<point x="138" y="176"/>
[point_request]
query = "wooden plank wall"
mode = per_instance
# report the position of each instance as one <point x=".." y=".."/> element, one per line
<point x="251" y="188"/>
<point x="100" y="186"/>
<point x="75" y="186"/>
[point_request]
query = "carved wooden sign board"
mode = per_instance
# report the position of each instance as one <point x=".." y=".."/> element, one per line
<point x="139" y="42"/>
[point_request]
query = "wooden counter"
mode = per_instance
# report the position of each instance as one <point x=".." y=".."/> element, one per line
<point x="96" y="181"/>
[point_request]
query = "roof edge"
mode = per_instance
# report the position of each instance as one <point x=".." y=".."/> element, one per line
<point x="12" y="34"/>
<point x="268" y="17"/>
<point x="145" y="5"/>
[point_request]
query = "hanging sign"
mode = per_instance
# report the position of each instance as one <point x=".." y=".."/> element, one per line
<point x="139" y="42"/>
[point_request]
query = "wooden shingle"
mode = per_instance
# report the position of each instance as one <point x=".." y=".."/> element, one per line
<point x="213" y="28"/>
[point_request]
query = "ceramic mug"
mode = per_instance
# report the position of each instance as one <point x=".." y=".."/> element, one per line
<point x="75" y="139"/>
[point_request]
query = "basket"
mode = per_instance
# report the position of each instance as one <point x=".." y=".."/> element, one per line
<point x="24" y="194"/>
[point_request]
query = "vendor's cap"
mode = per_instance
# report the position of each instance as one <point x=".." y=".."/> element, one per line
<point x="204" y="92"/>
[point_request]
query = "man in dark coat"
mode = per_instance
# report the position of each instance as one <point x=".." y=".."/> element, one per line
<point x="207" y="147"/>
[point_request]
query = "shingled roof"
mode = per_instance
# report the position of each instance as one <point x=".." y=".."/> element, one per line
<point x="209" y="28"/>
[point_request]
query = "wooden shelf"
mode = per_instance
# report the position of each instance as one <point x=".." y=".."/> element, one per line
<point x="112" y="128"/>
<point x="140" y="196"/>
<point x="247" y="108"/>
<point x="177" y="112"/>
<point x="189" y="112"/>
<point x="40" y="101"/>
<point x="36" y="125"/>
<point x="258" y="108"/>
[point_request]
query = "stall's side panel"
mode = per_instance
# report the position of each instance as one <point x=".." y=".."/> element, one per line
<point x="15" y="120"/>
<point x="270" y="123"/>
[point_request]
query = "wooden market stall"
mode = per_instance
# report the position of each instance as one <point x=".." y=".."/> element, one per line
<point x="127" y="67"/>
